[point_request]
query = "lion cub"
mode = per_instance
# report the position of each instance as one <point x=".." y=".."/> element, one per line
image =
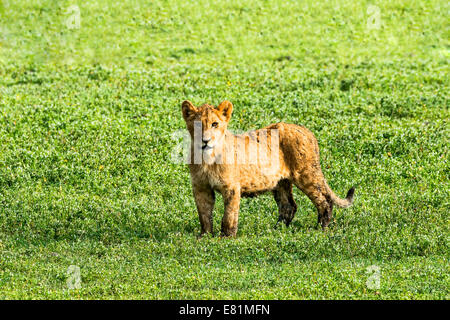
<point x="268" y="159"/>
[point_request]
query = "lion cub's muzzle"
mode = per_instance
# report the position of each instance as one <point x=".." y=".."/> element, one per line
<point x="205" y="145"/>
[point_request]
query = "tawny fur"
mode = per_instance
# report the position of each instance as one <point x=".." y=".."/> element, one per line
<point x="297" y="162"/>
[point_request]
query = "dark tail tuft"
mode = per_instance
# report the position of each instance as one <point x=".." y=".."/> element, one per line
<point x="342" y="203"/>
<point x="350" y="194"/>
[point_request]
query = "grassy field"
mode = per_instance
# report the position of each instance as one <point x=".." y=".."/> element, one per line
<point x="88" y="111"/>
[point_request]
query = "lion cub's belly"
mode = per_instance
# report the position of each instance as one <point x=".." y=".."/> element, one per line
<point x="256" y="179"/>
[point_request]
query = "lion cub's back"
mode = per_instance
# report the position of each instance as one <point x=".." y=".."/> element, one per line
<point x="293" y="133"/>
<point x="297" y="144"/>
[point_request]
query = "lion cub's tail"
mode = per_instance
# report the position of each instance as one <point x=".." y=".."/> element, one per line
<point x="342" y="203"/>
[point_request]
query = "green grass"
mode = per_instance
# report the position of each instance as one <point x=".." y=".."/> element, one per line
<point x="86" y="123"/>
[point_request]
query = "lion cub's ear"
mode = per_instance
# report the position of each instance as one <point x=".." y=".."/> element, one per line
<point x="188" y="109"/>
<point x="226" y="108"/>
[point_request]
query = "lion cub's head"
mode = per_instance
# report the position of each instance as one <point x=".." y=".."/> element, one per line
<point x="207" y="124"/>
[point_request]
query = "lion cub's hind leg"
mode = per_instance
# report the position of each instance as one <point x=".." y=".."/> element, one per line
<point x="315" y="188"/>
<point x="285" y="202"/>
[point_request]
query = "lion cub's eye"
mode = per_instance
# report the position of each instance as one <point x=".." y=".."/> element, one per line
<point x="215" y="124"/>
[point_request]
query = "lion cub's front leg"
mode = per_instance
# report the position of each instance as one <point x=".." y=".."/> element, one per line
<point x="232" y="199"/>
<point x="204" y="199"/>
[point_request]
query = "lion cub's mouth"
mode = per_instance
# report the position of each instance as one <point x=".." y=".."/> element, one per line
<point x="206" y="147"/>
